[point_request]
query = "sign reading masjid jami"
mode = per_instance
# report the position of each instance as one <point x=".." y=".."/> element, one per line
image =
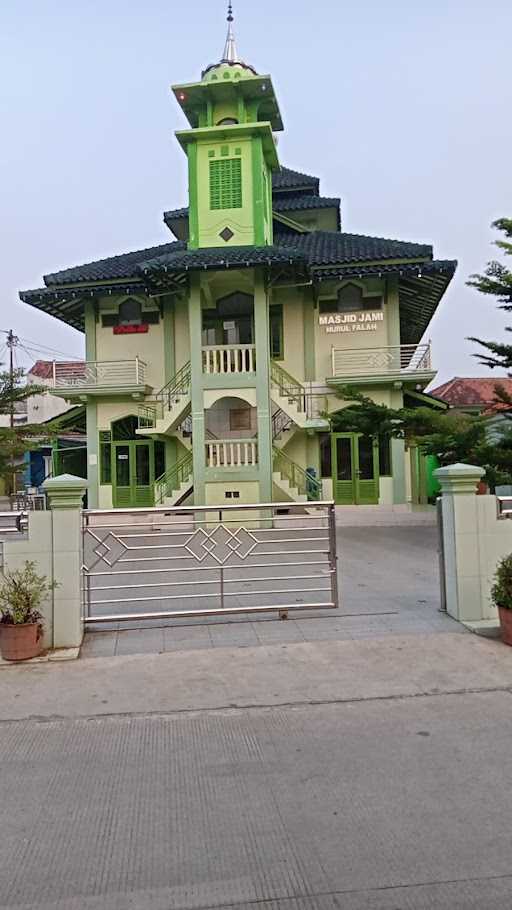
<point x="351" y="322"/>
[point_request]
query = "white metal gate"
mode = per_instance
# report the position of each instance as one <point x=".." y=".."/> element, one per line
<point x="200" y="561"/>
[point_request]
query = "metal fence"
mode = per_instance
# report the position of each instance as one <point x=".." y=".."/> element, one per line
<point x="13" y="523"/>
<point x="151" y="564"/>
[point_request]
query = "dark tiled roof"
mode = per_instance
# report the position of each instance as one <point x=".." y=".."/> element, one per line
<point x="220" y="258"/>
<point x="285" y="203"/>
<point x="287" y="179"/>
<point x="333" y="248"/>
<point x="123" y="266"/>
<point x="175" y="214"/>
<point x="317" y="248"/>
<point x="290" y="203"/>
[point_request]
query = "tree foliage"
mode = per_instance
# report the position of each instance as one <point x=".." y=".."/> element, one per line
<point x="497" y="282"/>
<point x="15" y="441"/>
<point x="450" y="436"/>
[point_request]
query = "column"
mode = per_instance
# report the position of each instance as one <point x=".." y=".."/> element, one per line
<point x="262" y="341"/>
<point x="65" y="494"/>
<point x="462" y="571"/>
<point x="196" y="391"/>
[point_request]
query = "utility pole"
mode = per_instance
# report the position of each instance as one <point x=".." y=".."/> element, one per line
<point x="12" y="341"/>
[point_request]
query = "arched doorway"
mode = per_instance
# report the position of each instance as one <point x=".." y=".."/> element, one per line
<point x="136" y="463"/>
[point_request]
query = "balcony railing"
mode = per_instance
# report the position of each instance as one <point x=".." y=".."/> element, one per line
<point x="405" y="359"/>
<point x="99" y="374"/>
<point x="229" y="358"/>
<point x="231" y="453"/>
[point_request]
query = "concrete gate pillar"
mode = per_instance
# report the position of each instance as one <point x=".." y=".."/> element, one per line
<point x="462" y="557"/>
<point x="65" y="494"/>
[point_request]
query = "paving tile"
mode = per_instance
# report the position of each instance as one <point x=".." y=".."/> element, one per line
<point x="233" y="636"/>
<point x="186" y="637"/>
<point x="277" y="631"/>
<point x="141" y="641"/>
<point x="99" y="644"/>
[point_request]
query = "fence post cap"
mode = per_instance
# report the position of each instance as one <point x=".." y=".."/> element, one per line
<point x="459" y="478"/>
<point x="459" y="470"/>
<point x="65" y="491"/>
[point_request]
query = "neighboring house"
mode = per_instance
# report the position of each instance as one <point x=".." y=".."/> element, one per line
<point x="20" y="415"/>
<point x="43" y="407"/>
<point x="473" y="394"/>
<point x="214" y="360"/>
<point x="64" y="453"/>
<point x="477" y="395"/>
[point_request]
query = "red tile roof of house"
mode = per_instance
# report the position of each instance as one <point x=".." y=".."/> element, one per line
<point x="473" y="391"/>
<point x="43" y="369"/>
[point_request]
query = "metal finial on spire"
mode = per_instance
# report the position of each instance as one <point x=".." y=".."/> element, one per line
<point x="230" y="53"/>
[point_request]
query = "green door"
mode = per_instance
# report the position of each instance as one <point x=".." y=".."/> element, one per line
<point x="355" y="467"/>
<point x="132" y="475"/>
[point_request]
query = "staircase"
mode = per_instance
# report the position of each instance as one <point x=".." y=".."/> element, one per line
<point x="294" y="481"/>
<point x="289" y="394"/>
<point x="176" y="484"/>
<point x="171" y="405"/>
<point x="283" y="428"/>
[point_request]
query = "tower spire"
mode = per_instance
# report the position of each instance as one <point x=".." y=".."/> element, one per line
<point x="230" y="54"/>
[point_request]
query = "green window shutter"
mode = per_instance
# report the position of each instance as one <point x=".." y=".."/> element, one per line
<point x="276" y="332"/>
<point x="105" y="457"/>
<point x="226" y="184"/>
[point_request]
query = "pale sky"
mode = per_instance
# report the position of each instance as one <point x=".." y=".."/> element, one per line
<point x="401" y="108"/>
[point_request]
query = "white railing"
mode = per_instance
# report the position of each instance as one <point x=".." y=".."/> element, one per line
<point x="401" y="358"/>
<point x="99" y="374"/>
<point x="229" y="358"/>
<point x="231" y="453"/>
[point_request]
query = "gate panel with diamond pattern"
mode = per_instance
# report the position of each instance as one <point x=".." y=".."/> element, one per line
<point x="163" y="563"/>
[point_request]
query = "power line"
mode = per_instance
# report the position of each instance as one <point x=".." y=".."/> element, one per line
<point x="36" y="346"/>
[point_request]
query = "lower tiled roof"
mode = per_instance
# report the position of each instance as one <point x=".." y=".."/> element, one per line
<point x="122" y="266"/>
<point x="330" y="247"/>
<point x="315" y="249"/>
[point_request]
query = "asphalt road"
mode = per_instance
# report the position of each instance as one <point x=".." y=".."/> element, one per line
<point x="362" y="765"/>
<point x="396" y="804"/>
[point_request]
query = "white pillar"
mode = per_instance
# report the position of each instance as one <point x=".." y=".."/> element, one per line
<point x="461" y="542"/>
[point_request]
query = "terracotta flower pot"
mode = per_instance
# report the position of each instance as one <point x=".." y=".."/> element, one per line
<point x="482" y="488"/>
<point x="20" y="641"/>
<point x="506" y="624"/>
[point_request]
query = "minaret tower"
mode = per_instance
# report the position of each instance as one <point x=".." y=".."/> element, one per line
<point x="231" y="151"/>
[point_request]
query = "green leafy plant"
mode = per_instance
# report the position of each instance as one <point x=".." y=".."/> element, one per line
<point x="21" y="593"/>
<point x="501" y="591"/>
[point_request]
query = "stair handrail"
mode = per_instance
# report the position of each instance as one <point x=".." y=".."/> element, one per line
<point x="297" y="477"/>
<point x="172" y="479"/>
<point x="178" y="385"/>
<point x="280" y="421"/>
<point x="147" y="415"/>
<point x="288" y="386"/>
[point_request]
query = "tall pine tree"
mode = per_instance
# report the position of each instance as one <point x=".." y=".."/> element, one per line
<point x="497" y="282"/>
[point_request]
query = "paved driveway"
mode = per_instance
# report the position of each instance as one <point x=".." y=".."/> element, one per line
<point x="389" y="584"/>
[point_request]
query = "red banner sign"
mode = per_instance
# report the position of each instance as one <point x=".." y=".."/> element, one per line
<point x="131" y="329"/>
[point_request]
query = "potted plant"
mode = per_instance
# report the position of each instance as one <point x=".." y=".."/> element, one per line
<point x="21" y="626"/>
<point x="501" y="594"/>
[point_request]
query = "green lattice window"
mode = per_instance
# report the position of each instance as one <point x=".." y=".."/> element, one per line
<point x="226" y="184"/>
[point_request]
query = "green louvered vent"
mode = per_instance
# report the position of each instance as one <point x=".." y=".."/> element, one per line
<point x="226" y="184"/>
